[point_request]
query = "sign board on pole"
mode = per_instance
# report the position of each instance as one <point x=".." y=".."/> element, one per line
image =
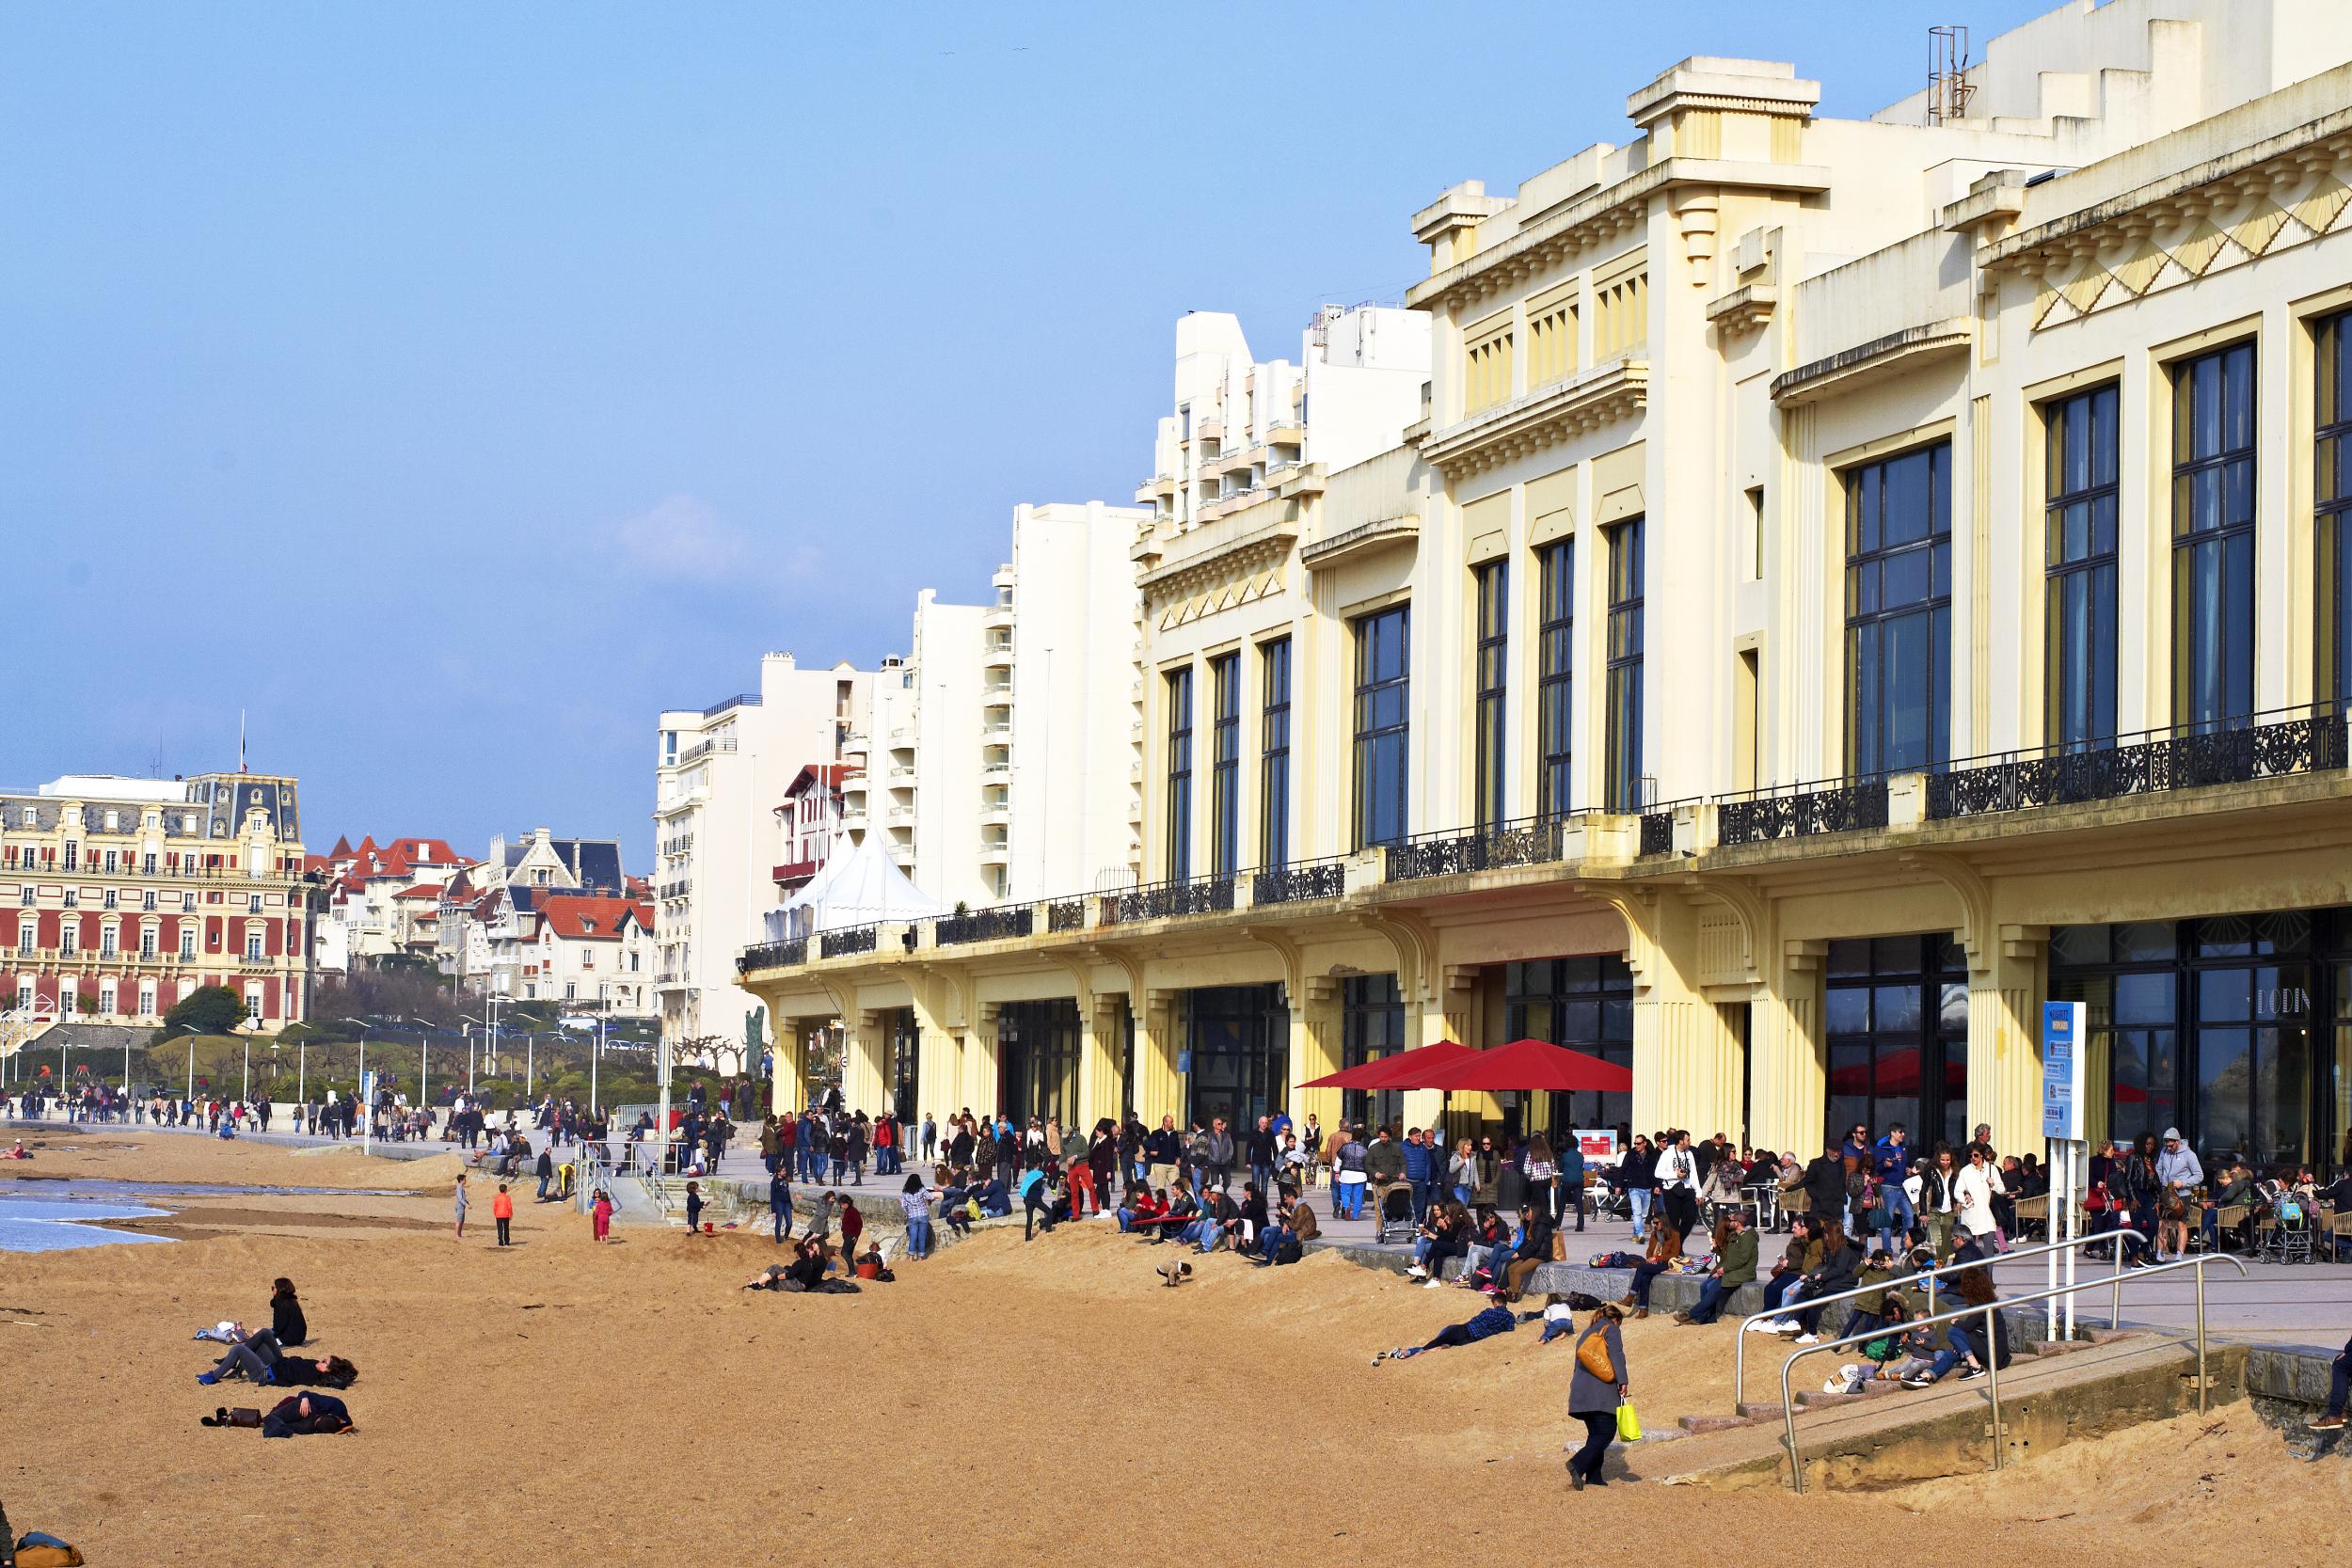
<point x="1598" y="1143"/>
<point x="2062" y="1069"/>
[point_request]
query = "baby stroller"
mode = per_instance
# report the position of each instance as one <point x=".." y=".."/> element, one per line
<point x="1392" y="1212"/>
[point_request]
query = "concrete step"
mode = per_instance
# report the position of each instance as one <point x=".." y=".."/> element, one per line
<point x="1857" y="1442"/>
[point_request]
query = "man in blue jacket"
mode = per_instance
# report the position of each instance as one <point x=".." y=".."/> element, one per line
<point x="1417" y="1168"/>
<point x="1891" y="1159"/>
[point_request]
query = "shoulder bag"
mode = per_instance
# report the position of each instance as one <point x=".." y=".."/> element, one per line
<point x="1591" y="1353"/>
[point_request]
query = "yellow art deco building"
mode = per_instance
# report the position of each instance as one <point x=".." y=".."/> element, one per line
<point x="1853" y="580"/>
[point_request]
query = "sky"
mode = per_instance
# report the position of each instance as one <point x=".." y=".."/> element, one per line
<point x="444" y="390"/>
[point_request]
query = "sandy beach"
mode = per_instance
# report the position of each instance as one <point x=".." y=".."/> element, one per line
<point x="1006" y="1403"/>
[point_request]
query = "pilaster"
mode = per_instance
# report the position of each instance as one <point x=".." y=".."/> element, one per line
<point x="1101" y="1029"/>
<point x="1788" y="1067"/>
<point x="1159" y="1088"/>
<point x="864" y="1075"/>
<point x="1314" y="1050"/>
<point x="2005" y="981"/>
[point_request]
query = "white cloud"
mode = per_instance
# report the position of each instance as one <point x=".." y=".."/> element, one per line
<point x="681" y="536"/>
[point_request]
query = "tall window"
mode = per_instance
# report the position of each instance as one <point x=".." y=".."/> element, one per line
<point x="2332" y="493"/>
<point x="1895" y="1016"/>
<point x="2213" y="538"/>
<point x="1899" y="612"/>
<point x="1274" y="756"/>
<point x="2078" y="528"/>
<point x="1382" y="729"/>
<point x="1555" y="636"/>
<point x="1179" y="775"/>
<point x="1225" y="765"/>
<point x="1493" y="653"/>
<point x="1624" y="666"/>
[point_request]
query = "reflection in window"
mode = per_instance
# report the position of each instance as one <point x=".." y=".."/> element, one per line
<point x="1491" y="656"/>
<point x="1626" y="637"/>
<point x="2079" y="528"/>
<point x="1382" y="727"/>
<point x="2213" y="538"/>
<point x="1555" y="678"/>
<point x="1898" y="611"/>
<point x="2332" y="497"/>
<point x="1179" y="775"/>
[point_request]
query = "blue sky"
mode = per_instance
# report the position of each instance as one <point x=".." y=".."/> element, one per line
<point x="452" y="387"/>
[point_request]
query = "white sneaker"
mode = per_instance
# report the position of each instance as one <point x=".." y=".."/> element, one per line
<point x="1434" y="1285"/>
<point x="1415" y="1272"/>
<point x="1761" y="1325"/>
<point x="1808" y="1338"/>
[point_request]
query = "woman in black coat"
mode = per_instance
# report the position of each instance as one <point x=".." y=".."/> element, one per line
<point x="286" y="1321"/>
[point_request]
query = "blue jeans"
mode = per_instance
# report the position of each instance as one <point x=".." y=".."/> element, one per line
<point x="1776" y="1289"/>
<point x="1640" y="1197"/>
<point x="1896" y="1205"/>
<point x="1710" y="1303"/>
<point x="780" y="1212"/>
<point x="1420" y="1198"/>
<point x="918" y="1238"/>
<point x="1555" y="1327"/>
<point x="1347" y="1198"/>
<point x="1962" y="1346"/>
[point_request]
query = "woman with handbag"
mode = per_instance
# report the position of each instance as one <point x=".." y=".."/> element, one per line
<point x="1602" y="1383"/>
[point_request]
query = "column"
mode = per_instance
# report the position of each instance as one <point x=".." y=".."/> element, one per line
<point x="788" y="1084"/>
<point x="1314" y="1050"/>
<point x="864" y="1074"/>
<point x="2005" y="983"/>
<point x="1788" y="1072"/>
<point x="1159" y="1087"/>
<point x="979" y="1082"/>
<point x="1101" y="1038"/>
<point x="1686" y="1062"/>
<point x="938" y="1062"/>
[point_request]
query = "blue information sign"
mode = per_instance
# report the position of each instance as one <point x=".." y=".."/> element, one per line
<point x="2061" y="1070"/>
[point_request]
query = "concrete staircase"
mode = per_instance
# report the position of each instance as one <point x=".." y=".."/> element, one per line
<point x="2050" y="1396"/>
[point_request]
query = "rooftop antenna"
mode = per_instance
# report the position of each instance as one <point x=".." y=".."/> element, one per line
<point x="1949" y="89"/>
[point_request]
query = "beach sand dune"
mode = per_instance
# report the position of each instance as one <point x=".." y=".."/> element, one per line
<point x="1006" y="1403"/>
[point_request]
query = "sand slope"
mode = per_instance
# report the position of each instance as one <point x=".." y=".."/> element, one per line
<point x="1006" y="1403"/>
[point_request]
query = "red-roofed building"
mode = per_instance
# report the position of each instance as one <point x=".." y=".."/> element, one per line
<point x="591" y="951"/>
<point x="811" y="819"/>
<point x="384" y="899"/>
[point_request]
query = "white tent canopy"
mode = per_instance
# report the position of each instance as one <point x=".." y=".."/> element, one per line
<point x="858" y="886"/>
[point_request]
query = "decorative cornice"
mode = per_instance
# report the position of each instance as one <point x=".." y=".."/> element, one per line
<point x="1601" y="396"/>
<point x="1552" y="237"/>
<point x="1839" y="372"/>
<point x="1378" y="534"/>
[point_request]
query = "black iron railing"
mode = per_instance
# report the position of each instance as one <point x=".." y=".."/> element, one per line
<point x="1523" y="841"/>
<point x="850" y="938"/>
<point x="771" y="955"/>
<point x="1168" y="900"/>
<point x="1657" y="826"/>
<point x="1299" y="883"/>
<point x="1800" y="810"/>
<point x="2260" y="746"/>
<point x="1012" y="920"/>
<point x="1066" y="914"/>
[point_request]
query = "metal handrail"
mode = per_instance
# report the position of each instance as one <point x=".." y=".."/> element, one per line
<point x="1991" y="1358"/>
<point x="2115" y="1306"/>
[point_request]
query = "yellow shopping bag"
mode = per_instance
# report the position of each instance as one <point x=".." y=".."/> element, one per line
<point x="1628" y="1424"/>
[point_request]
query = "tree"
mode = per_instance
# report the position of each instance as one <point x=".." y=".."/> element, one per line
<point x="206" y="1010"/>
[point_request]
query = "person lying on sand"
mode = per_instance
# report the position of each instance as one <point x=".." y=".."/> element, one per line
<point x="18" y="1152"/>
<point x="1494" y="1320"/>
<point x="260" y="1359"/>
<point x="301" y="1414"/>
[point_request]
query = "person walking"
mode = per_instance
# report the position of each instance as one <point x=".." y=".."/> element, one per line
<point x="1601" y="1383"/>
<point x="460" y="1202"/>
<point x="502" y="1212"/>
<point x="600" y="1215"/>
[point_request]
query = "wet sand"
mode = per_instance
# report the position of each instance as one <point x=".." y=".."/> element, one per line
<point x="1006" y="1403"/>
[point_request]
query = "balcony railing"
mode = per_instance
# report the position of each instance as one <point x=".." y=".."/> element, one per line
<point x="1168" y="900"/>
<point x="1523" y="841"/>
<point x="841" y="943"/>
<point x="1299" y="883"/>
<point x="741" y="699"/>
<point x="1657" y="826"/>
<point x="1066" y="914"/>
<point x="1800" y="810"/>
<point x="765" y="955"/>
<point x="2260" y="746"/>
<point x="702" y="749"/>
<point x="996" y="925"/>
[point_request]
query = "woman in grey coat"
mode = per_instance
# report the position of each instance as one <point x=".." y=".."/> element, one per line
<point x="1594" y="1399"/>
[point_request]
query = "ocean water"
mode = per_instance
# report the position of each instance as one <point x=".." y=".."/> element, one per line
<point x="46" y="1225"/>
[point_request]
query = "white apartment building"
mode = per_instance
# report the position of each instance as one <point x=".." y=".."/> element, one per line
<point x="720" y="772"/>
<point x="1855" y="580"/>
<point x="1240" y="424"/>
